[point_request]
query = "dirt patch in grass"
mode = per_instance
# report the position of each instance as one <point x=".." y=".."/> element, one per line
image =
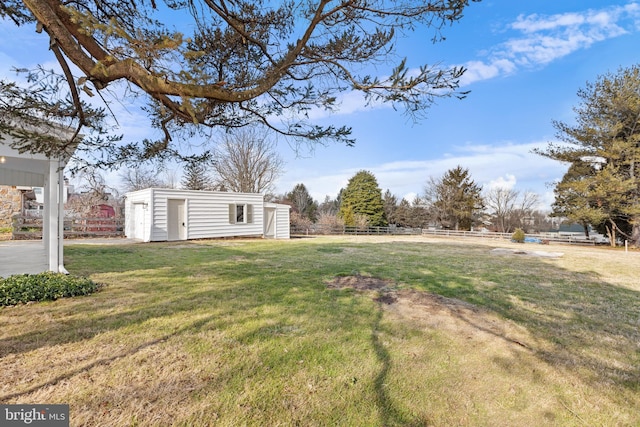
<point x="385" y="294"/>
<point x="457" y="317"/>
<point x="436" y="312"/>
<point x="360" y="283"/>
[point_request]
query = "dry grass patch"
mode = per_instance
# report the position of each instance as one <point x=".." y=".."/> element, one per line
<point x="333" y="331"/>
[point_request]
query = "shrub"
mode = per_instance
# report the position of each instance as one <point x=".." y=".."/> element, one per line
<point x="23" y="288"/>
<point x="518" y="236"/>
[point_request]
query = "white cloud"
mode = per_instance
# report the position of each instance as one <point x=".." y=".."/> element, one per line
<point x="534" y="23"/>
<point x="546" y="38"/>
<point x="507" y="182"/>
<point x="478" y="70"/>
<point x="540" y="40"/>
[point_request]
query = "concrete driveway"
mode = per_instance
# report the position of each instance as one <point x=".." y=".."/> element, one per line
<point x="22" y="256"/>
<point x="28" y="256"/>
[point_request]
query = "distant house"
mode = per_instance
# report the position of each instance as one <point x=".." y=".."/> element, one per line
<point x="161" y="214"/>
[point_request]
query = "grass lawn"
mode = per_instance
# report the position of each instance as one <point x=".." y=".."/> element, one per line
<point x="405" y="331"/>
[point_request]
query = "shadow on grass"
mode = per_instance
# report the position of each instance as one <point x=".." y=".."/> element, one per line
<point x="588" y="323"/>
<point x="108" y="360"/>
<point x="84" y="368"/>
<point x="390" y="414"/>
<point x="581" y="315"/>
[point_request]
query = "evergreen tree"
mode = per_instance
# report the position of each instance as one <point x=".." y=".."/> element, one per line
<point x="419" y="216"/>
<point x="302" y="202"/>
<point x="602" y="186"/>
<point x="229" y="64"/>
<point x="390" y="207"/>
<point x="455" y="199"/>
<point x="363" y="196"/>
<point x="573" y="198"/>
<point x="403" y="213"/>
<point x="196" y="177"/>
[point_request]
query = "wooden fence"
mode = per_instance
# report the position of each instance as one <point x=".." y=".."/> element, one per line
<point x="30" y="228"/>
<point x="315" y="229"/>
<point x="577" y="239"/>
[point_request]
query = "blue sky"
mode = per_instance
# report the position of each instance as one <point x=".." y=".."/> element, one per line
<point x="525" y="62"/>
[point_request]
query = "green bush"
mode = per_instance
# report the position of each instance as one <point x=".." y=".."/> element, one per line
<point x="518" y="236"/>
<point x="22" y="288"/>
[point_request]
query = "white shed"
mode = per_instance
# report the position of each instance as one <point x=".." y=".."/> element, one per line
<point x="160" y="214"/>
<point x="276" y="221"/>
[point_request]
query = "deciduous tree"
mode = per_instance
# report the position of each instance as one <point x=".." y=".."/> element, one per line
<point x="329" y="206"/>
<point x="134" y="179"/>
<point x="245" y="161"/>
<point x="509" y="208"/>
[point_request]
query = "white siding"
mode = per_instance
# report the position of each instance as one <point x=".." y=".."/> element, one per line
<point x="283" y="223"/>
<point x="282" y="228"/>
<point x="142" y="197"/>
<point x="207" y="213"/>
<point x="159" y="214"/>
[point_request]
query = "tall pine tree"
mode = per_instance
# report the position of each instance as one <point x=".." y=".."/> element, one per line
<point x="455" y="199"/>
<point x="196" y="177"/>
<point x="302" y="202"/>
<point x="603" y="151"/>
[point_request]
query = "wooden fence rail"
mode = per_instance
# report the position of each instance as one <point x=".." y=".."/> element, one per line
<point x="316" y="229"/>
<point x="28" y="228"/>
<point x="543" y="237"/>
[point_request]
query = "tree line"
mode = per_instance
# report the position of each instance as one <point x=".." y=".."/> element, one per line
<point x="202" y="65"/>
<point x="601" y="188"/>
<point x="452" y="201"/>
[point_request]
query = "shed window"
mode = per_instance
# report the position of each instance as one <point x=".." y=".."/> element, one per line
<point x="240" y="213"/>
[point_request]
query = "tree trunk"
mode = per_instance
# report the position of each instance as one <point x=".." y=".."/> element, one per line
<point x="635" y="232"/>
<point x="611" y="232"/>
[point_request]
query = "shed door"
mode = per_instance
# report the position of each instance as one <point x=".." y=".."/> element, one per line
<point x="269" y="222"/>
<point x="138" y="221"/>
<point x="176" y="226"/>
